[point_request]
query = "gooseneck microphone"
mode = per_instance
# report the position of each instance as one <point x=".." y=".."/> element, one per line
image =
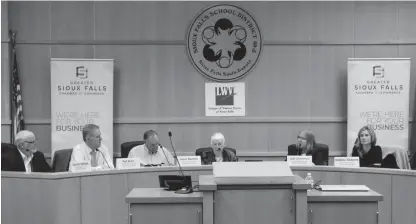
<point x="161" y="148"/>
<point x="104" y="158"/>
<point x="188" y="189"/>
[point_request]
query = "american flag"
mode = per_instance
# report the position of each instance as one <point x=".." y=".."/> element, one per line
<point x="18" y="122"/>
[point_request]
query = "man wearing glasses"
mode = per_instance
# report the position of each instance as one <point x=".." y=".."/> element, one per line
<point x="92" y="150"/>
<point x="23" y="155"/>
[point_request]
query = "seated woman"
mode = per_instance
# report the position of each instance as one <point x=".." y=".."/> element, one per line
<point x="365" y="147"/>
<point x="306" y="146"/>
<point x="217" y="152"/>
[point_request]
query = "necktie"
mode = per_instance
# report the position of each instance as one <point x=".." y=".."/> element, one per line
<point x="93" y="158"/>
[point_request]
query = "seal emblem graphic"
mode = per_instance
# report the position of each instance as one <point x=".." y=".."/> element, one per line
<point x="224" y="43"/>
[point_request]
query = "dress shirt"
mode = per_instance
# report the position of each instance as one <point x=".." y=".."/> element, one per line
<point x="147" y="158"/>
<point x="82" y="152"/>
<point x="27" y="161"/>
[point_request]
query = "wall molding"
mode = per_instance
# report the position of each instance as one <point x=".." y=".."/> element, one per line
<point x="199" y="120"/>
<point x="183" y="42"/>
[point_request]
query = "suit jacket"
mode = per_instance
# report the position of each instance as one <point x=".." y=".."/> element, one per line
<point x="11" y="160"/>
<point x="208" y="156"/>
<point x="319" y="153"/>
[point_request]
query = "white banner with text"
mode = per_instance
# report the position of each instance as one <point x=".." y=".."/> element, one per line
<point x="81" y="93"/>
<point x="378" y="96"/>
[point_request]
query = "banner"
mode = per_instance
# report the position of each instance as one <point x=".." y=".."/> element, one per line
<point x="81" y="93"/>
<point x="225" y="99"/>
<point x="378" y="96"/>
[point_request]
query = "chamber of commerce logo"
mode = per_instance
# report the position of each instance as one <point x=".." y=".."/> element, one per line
<point x="81" y="72"/>
<point x="224" y="43"/>
<point x="378" y="71"/>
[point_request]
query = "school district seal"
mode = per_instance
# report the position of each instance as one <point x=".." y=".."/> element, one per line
<point x="224" y="43"/>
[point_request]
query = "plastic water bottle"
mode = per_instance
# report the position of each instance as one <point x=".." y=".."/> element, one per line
<point x="309" y="179"/>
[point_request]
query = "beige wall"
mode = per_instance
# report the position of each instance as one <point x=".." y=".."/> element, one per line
<point x="299" y="82"/>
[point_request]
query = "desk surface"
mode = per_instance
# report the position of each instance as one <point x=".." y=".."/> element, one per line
<point x="7" y="174"/>
<point x="159" y="195"/>
<point x="337" y="196"/>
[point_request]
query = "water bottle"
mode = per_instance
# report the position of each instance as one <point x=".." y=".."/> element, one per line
<point x="309" y="179"/>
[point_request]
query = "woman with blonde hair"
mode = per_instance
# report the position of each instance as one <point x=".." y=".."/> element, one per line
<point x="365" y="147"/>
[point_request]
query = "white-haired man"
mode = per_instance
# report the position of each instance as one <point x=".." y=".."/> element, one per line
<point x="23" y="155"/>
<point x="218" y="152"/>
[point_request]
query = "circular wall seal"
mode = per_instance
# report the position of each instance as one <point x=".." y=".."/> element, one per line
<point x="224" y="43"/>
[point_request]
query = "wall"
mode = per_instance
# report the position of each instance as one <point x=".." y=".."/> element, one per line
<point x="299" y="82"/>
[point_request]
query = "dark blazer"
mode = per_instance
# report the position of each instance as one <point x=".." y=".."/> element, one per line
<point x="208" y="156"/>
<point x="375" y="155"/>
<point x="319" y="153"/>
<point x="11" y="160"/>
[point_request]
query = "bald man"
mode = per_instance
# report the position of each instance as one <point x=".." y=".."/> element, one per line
<point x="23" y="155"/>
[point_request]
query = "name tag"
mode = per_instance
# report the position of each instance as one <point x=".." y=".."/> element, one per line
<point x="347" y="161"/>
<point x="300" y="161"/>
<point x="76" y="167"/>
<point x="128" y="163"/>
<point x="189" y="160"/>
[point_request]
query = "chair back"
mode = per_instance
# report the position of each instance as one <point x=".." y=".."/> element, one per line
<point x="199" y="151"/>
<point x="127" y="146"/>
<point x="398" y="153"/>
<point x="61" y="160"/>
<point x="322" y="151"/>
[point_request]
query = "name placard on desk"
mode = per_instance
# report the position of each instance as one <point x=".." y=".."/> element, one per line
<point x="300" y="161"/>
<point x="347" y="161"/>
<point x="189" y="160"/>
<point x="128" y="163"/>
<point x="77" y="167"/>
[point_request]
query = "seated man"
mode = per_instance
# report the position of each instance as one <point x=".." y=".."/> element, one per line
<point x="218" y="152"/>
<point x="152" y="153"/>
<point x="23" y="156"/>
<point x="92" y="150"/>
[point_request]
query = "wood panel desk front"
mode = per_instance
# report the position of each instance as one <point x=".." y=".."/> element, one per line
<point x="99" y="197"/>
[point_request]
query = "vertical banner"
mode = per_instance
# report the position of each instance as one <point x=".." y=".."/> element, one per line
<point x="225" y="99"/>
<point x="81" y="93"/>
<point x="378" y="96"/>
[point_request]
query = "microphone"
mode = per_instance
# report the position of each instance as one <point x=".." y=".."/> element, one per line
<point x="161" y="148"/>
<point x="104" y="158"/>
<point x="188" y="188"/>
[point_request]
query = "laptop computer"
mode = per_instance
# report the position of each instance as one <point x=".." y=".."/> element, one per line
<point x="174" y="182"/>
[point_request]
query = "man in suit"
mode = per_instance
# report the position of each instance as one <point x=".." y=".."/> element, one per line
<point x="23" y="155"/>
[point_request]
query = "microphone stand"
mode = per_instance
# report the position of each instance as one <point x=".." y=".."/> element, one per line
<point x="185" y="189"/>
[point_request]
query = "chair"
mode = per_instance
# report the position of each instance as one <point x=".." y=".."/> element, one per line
<point x="61" y="160"/>
<point x="395" y="157"/>
<point x="400" y="156"/>
<point x="321" y="154"/>
<point x="127" y="146"/>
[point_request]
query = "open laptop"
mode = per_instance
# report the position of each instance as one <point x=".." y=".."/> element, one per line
<point x="174" y="182"/>
<point x="344" y="188"/>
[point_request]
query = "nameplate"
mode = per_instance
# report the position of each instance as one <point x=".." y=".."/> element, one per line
<point x="77" y="167"/>
<point x="189" y="160"/>
<point x="347" y="161"/>
<point x="300" y="161"/>
<point x="128" y="163"/>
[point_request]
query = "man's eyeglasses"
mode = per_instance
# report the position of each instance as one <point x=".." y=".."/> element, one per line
<point x="31" y="142"/>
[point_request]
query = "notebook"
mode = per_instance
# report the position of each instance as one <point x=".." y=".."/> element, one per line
<point x="344" y="188"/>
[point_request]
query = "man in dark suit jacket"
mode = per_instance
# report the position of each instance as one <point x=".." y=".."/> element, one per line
<point x="23" y="156"/>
